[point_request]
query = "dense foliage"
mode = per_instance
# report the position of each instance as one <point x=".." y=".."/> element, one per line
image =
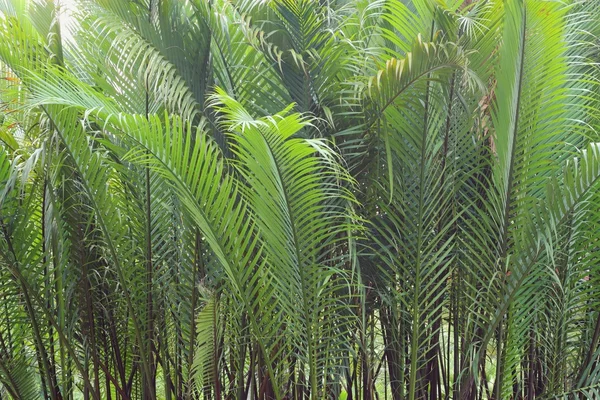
<point x="299" y="199"/>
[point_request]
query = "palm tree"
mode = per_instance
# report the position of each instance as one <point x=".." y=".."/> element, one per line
<point x="293" y="199"/>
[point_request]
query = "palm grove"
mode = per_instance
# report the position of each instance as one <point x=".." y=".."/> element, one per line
<point x="297" y="199"/>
